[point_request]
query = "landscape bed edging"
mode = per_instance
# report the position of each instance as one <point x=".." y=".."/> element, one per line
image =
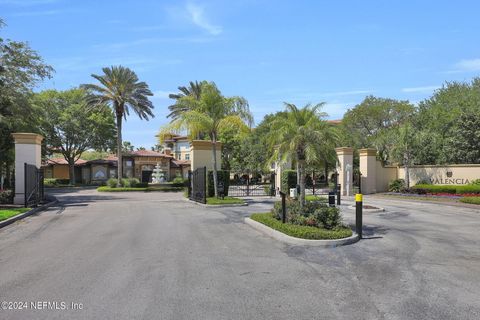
<point x="280" y="236"/>
<point x="20" y="216"/>
<point x="217" y="205"/>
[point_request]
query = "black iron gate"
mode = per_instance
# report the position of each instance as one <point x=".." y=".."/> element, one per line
<point x="317" y="183"/>
<point x="197" y="185"/>
<point x="357" y="182"/>
<point x="33" y="185"/>
<point x="252" y="186"/>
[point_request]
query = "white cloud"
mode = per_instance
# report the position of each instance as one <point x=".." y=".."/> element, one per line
<point x="468" y="65"/>
<point x="197" y="17"/>
<point x="424" y="89"/>
<point x="465" y="65"/>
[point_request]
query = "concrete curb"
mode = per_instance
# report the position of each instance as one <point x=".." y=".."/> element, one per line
<point x="277" y="235"/>
<point x="352" y="207"/>
<point x="217" y="205"/>
<point x="11" y="220"/>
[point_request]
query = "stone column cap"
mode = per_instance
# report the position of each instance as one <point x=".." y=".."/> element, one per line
<point x="204" y="144"/>
<point x="27" y="138"/>
<point x="367" y="152"/>
<point x="344" y="150"/>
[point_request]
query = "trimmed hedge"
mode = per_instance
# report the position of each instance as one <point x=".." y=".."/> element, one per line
<point x="453" y="189"/>
<point x="52" y="182"/>
<point x="304" y="232"/>
<point x="140" y="189"/>
<point x="222" y="175"/>
<point x="471" y="200"/>
<point x="289" y="180"/>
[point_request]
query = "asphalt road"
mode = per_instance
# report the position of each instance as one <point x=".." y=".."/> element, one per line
<point x="155" y="256"/>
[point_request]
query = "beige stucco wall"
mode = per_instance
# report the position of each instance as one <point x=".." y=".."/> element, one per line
<point x="384" y="176"/>
<point x="201" y="155"/>
<point x="450" y="174"/>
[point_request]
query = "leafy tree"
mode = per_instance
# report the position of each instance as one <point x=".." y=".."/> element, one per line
<point x="303" y="134"/>
<point x="141" y="149"/>
<point x="211" y="114"/>
<point x="194" y="90"/>
<point x="127" y="146"/>
<point x="157" y="147"/>
<point x="368" y="123"/>
<point x="463" y="145"/>
<point x="120" y="88"/>
<point x="438" y="120"/>
<point x="69" y="127"/>
<point x="404" y="145"/>
<point x="21" y="69"/>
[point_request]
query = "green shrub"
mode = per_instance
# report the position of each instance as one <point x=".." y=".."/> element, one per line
<point x="112" y="183"/>
<point x="222" y="176"/>
<point x="328" y="217"/>
<point x="179" y="180"/>
<point x="314" y="213"/>
<point x="288" y="180"/>
<point x="472" y="200"/>
<point x="53" y="182"/>
<point x="134" y="182"/>
<point x="301" y="231"/>
<point x="49" y="182"/>
<point x="424" y="188"/>
<point x="397" y="185"/>
<point x="470" y="188"/>
<point x="6" y="196"/>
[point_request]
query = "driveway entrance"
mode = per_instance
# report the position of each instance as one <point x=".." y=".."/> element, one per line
<point x="154" y="255"/>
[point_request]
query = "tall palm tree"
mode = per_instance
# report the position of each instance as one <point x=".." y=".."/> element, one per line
<point x="193" y="90"/>
<point x="210" y="114"/>
<point x="120" y="89"/>
<point x="302" y="134"/>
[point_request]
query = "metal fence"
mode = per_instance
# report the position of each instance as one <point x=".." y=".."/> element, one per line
<point x="245" y="186"/>
<point x="34" y="193"/>
<point x="197" y="185"/>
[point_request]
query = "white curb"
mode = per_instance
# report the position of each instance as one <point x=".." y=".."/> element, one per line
<point x="277" y="235"/>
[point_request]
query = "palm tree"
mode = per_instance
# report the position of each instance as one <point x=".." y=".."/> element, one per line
<point x="210" y="114"/>
<point x="303" y="134"/>
<point x="193" y="90"/>
<point x="121" y="90"/>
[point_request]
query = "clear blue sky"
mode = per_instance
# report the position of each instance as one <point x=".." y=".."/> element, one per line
<point x="267" y="51"/>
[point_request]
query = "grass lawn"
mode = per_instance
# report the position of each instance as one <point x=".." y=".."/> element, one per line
<point x="143" y="189"/>
<point x="8" y="213"/>
<point x="304" y="232"/>
<point x="226" y="200"/>
<point x="311" y="197"/>
<point x="472" y="200"/>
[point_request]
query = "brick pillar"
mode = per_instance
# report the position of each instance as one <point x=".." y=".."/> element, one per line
<point x="28" y="149"/>
<point x="368" y="168"/>
<point x="345" y="169"/>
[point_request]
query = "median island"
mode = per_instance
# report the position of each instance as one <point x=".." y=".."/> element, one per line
<point x="314" y="221"/>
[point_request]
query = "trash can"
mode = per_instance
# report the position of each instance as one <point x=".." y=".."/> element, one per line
<point x="331" y="199"/>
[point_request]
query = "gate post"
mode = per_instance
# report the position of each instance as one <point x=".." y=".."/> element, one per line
<point x="345" y="176"/>
<point x="28" y="149"/>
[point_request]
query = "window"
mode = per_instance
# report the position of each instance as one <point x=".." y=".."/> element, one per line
<point x="179" y="156"/>
<point x="187" y="156"/>
<point x="128" y="163"/>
